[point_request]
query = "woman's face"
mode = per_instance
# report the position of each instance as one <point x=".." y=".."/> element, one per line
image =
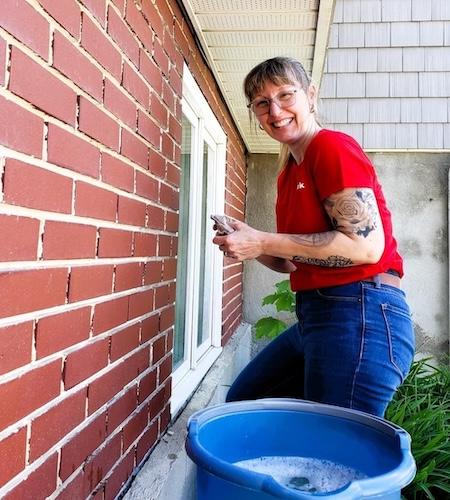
<point x="286" y="124"/>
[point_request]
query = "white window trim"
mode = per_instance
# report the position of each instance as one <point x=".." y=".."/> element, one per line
<point x="187" y="377"/>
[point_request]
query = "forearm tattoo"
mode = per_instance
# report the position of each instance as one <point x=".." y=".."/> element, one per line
<point x="353" y="211"/>
<point x="331" y="261"/>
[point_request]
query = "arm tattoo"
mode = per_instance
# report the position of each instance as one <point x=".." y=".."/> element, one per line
<point x="331" y="261"/>
<point x="353" y="211"/>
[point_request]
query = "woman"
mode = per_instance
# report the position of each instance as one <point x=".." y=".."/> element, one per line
<point x="354" y="343"/>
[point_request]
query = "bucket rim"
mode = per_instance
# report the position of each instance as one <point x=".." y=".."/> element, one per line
<point x="396" y="479"/>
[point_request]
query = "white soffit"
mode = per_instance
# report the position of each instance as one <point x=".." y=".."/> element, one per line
<point x="238" y="34"/>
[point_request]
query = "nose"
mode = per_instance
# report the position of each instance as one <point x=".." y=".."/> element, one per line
<point x="274" y="108"/>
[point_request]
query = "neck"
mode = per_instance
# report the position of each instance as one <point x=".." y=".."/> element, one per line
<point x="299" y="147"/>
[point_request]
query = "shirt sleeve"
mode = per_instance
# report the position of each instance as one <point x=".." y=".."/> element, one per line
<point x="339" y="163"/>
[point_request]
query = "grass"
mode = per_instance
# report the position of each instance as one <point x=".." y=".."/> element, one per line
<point x="422" y="407"/>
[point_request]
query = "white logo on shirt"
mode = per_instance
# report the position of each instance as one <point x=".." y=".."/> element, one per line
<point x="300" y="185"/>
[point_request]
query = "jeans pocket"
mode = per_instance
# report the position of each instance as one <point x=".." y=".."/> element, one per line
<point x="400" y="336"/>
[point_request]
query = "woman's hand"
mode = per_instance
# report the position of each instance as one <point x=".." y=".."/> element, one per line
<point x="244" y="243"/>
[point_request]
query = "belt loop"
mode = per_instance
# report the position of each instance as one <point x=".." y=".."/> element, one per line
<point x="377" y="281"/>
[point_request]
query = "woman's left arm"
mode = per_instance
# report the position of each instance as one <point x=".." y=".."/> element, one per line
<point x="356" y="237"/>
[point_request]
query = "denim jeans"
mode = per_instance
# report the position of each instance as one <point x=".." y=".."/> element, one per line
<point x="352" y="346"/>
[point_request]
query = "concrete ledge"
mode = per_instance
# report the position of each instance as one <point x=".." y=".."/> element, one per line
<point x="168" y="473"/>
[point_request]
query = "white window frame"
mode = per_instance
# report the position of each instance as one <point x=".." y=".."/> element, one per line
<point x="198" y="360"/>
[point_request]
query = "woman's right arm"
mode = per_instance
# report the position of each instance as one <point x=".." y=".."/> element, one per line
<point x="277" y="264"/>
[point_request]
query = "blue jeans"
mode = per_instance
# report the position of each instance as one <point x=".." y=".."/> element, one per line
<point x="353" y="346"/>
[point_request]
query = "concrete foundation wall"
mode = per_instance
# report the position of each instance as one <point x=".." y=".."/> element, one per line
<point x="416" y="188"/>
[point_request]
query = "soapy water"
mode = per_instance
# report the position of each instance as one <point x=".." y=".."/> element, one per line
<point x="304" y="474"/>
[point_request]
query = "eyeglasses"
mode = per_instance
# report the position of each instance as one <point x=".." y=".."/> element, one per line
<point x="283" y="99"/>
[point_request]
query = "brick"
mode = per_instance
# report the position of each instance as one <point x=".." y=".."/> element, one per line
<point x="164" y="245"/>
<point x="117" y="173"/>
<point x="120" y="4"/>
<point x="144" y="245"/>
<point x="85" y="362"/>
<point x="158" y="349"/>
<point x="134" y="148"/>
<point x="154" y="19"/>
<point x="63" y="240"/>
<point x="175" y="129"/>
<point x="91" y="201"/>
<point x="135" y="427"/>
<point x="168" y="96"/>
<point x="101" y="463"/>
<point x="124" y="342"/>
<point x="98" y="125"/>
<point x="153" y="272"/>
<point x="69" y="151"/>
<point x="41" y="88"/>
<point x="158" y="111"/>
<point x="3" y="48"/>
<point x="169" y="196"/>
<point x="169" y="269"/>
<point x="120" y="32"/>
<point x="19" y="238"/>
<point x="115" y="243"/>
<point x="109" y="314"/>
<point x="165" y="369"/>
<point x="27" y="134"/>
<point x="149" y="328"/>
<point x="163" y="296"/>
<point x="173" y="175"/>
<point x="150" y="71"/>
<point x="167" y="318"/>
<point x="148" y="129"/>
<point x="128" y="276"/>
<point x="36" y="388"/>
<point x="121" y="409"/>
<point x="147" y="385"/>
<point x="61" y="419"/>
<point x="97" y="44"/>
<point x="147" y="186"/>
<point x="140" y="303"/>
<point x="122" y="471"/>
<point x="71" y="62"/>
<point x="161" y="58"/>
<point x="72" y="489"/>
<point x="131" y="211"/>
<point x="15" y="347"/>
<point x="97" y="9"/>
<point x="157" y="403"/>
<point x="12" y="455"/>
<point x="57" y="332"/>
<point x="120" y="104"/>
<point x="34" y="187"/>
<point x="90" y="281"/>
<point x="139" y="25"/>
<point x="23" y="22"/>
<point x="157" y="164"/>
<point x="39" y="484"/>
<point x="135" y="85"/>
<point x="66" y="13"/>
<point x="155" y="217"/>
<point x="76" y="451"/>
<point x="146" y="441"/>
<point x="25" y="291"/>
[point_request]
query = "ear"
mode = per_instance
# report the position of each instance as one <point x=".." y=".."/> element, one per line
<point x="311" y="93"/>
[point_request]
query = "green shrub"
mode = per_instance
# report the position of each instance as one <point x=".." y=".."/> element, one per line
<point x="421" y="406"/>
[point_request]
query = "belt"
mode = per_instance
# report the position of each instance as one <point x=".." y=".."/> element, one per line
<point x="385" y="279"/>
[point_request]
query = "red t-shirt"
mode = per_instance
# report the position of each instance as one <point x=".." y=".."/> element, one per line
<point x="333" y="161"/>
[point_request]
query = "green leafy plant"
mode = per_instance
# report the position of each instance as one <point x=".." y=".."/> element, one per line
<point x="421" y="406"/>
<point x="284" y="300"/>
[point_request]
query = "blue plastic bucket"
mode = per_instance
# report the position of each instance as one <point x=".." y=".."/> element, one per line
<point x="222" y="435"/>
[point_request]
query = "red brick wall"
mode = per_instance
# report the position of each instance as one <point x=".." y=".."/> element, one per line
<point x="90" y="129"/>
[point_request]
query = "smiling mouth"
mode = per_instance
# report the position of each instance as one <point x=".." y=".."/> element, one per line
<point x="282" y="123"/>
